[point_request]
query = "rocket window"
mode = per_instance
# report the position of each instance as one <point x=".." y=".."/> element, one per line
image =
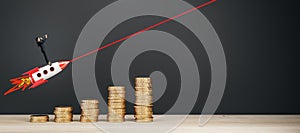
<point x="51" y="69"/>
<point x="39" y="75"/>
<point x="45" y="71"/>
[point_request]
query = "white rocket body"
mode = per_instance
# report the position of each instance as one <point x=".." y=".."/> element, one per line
<point x="40" y="75"/>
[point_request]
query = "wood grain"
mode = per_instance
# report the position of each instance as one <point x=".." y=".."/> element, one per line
<point x="218" y="124"/>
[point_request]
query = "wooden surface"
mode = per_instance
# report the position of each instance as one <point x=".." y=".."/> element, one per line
<point x="218" y="124"/>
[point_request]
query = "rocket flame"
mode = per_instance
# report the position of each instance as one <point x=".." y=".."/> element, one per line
<point x="21" y="82"/>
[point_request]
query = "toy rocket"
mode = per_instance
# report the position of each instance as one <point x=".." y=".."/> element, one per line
<point x="39" y="75"/>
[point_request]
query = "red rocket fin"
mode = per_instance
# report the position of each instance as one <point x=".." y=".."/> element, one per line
<point x="31" y="71"/>
<point x="38" y="83"/>
<point x="15" y="88"/>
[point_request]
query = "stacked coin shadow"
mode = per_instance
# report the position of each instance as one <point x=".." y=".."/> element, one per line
<point x="39" y="118"/>
<point x="63" y="114"/>
<point x="116" y="104"/>
<point x="143" y="103"/>
<point x="89" y="110"/>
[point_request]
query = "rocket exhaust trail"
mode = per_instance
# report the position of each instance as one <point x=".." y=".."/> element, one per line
<point x="143" y="30"/>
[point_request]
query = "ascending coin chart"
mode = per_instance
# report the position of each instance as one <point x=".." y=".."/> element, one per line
<point x="184" y="58"/>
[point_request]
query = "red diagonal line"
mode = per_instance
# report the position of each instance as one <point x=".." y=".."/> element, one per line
<point x="143" y="30"/>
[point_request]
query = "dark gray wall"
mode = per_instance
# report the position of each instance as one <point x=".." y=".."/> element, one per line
<point x="259" y="39"/>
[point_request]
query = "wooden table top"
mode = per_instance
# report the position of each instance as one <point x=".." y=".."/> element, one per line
<point x="218" y="124"/>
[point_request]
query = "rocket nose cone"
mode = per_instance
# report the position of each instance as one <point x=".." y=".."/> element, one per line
<point x="63" y="64"/>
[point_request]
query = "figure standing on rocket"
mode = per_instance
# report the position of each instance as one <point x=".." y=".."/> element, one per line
<point x="39" y="75"/>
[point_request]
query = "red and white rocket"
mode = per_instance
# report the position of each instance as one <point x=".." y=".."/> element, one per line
<point x="39" y="75"/>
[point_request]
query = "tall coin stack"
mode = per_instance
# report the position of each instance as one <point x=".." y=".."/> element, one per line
<point x="143" y="103"/>
<point x="63" y="114"/>
<point x="90" y="110"/>
<point x="116" y="104"/>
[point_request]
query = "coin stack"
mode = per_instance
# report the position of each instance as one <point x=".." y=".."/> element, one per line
<point x="116" y="104"/>
<point x="39" y="118"/>
<point x="143" y="103"/>
<point x="63" y="114"/>
<point x="90" y="110"/>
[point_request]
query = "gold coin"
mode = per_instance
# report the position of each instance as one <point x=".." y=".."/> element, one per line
<point x="117" y="107"/>
<point x="143" y="104"/>
<point x="117" y="95"/>
<point x="116" y="92"/>
<point x="88" y="104"/>
<point x="90" y="110"/>
<point x="116" y="113"/>
<point x="90" y="113"/>
<point x="141" y="115"/>
<point x="59" y="118"/>
<point x="62" y="121"/>
<point x="122" y="94"/>
<point x="116" y="88"/>
<point x="141" y="112"/>
<point x="39" y="121"/>
<point x="115" y="120"/>
<point x="146" y="101"/>
<point x="143" y="107"/>
<point x="88" y="118"/>
<point x="138" y="95"/>
<point x="89" y="107"/>
<point x="116" y="110"/>
<point x="143" y="86"/>
<point x="149" y="92"/>
<point x="142" y="83"/>
<point x="137" y="102"/>
<point x="62" y="113"/>
<point x="143" y="91"/>
<point x="143" y="78"/>
<point x="116" y="101"/>
<point x="116" y="104"/>
<point x="144" y="97"/>
<point x="116" y="98"/>
<point x="39" y="118"/>
<point x="63" y="116"/>
<point x="63" y="108"/>
<point x="144" y="113"/>
<point x="90" y="101"/>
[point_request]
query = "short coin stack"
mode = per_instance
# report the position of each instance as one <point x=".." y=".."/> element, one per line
<point x="143" y="103"/>
<point x="90" y="110"/>
<point x="63" y="114"/>
<point x="39" y="118"/>
<point x="116" y="104"/>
